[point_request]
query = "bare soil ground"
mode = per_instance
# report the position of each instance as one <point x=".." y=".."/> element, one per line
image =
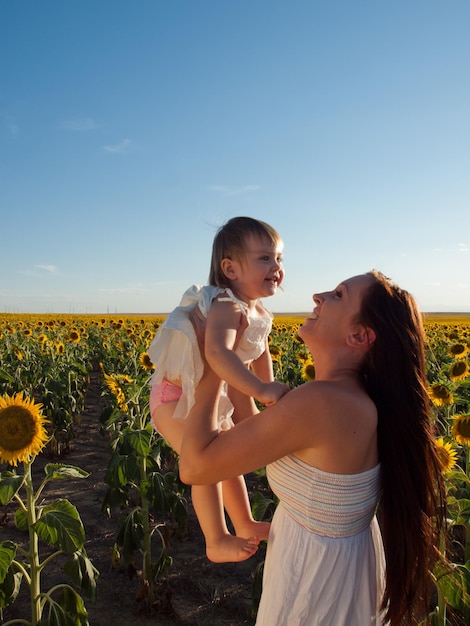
<point x="193" y="592"/>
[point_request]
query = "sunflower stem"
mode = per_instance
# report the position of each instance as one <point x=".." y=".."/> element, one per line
<point x="40" y="489"/>
<point x="147" y="556"/>
<point x="50" y="558"/>
<point x="20" y="502"/>
<point x="467" y="526"/>
<point x="441" y="602"/>
<point x="20" y="567"/>
<point x="33" y="557"/>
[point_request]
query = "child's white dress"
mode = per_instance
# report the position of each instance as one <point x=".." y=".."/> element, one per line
<point x="175" y="353"/>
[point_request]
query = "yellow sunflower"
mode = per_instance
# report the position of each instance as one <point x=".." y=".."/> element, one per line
<point x="115" y="388"/>
<point x="458" y="371"/>
<point x="447" y="454"/>
<point x="308" y="371"/>
<point x="461" y="428"/>
<point x="275" y="352"/>
<point x="22" y="429"/>
<point x="440" y="395"/>
<point x="74" y="336"/>
<point x="146" y="362"/>
<point x="124" y="378"/>
<point x="458" y="350"/>
<point x="303" y="356"/>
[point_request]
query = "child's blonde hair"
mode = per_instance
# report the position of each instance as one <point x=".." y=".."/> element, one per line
<point x="230" y="243"/>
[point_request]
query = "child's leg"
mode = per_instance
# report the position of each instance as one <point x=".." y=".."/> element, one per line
<point x="235" y="493"/>
<point x="221" y="546"/>
<point x="237" y="504"/>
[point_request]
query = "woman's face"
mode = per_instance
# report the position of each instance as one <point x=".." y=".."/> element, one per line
<point x="335" y="312"/>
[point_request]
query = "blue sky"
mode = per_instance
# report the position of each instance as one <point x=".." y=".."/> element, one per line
<point x="129" y="131"/>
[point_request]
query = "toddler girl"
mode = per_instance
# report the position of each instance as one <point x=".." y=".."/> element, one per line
<point x="246" y="265"/>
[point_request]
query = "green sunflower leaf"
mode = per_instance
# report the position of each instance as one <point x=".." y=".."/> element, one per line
<point x="260" y="505"/>
<point x="60" y="526"/>
<point x="60" y="470"/>
<point x="6" y="376"/>
<point x="67" y="610"/>
<point x="7" y="554"/>
<point x="140" y="441"/>
<point x="453" y="584"/>
<point x="10" y="587"/>
<point x="83" y="573"/>
<point x="131" y="535"/>
<point x="9" y="485"/>
<point x="21" y="520"/>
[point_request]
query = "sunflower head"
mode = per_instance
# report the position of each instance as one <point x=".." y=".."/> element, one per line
<point x="458" y="350"/>
<point x="440" y="394"/>
<point x="22" y="429"/>
<point x="461" y="428"/>
<point x="124" y="378"/>
<point x="303" y="356"/>
<point x="74" y="336"/>
<point x="146" y="362"/>
<point x="114" y="385"/>
<point x="308" y="371"/>
<point x="447" y="454"/>
<point x="459" y="370"/>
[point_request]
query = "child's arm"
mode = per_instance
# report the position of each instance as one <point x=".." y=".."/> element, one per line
<point x="263" y="366"/>
<point x="225" y="323"/>
<point x="263" y="369"/>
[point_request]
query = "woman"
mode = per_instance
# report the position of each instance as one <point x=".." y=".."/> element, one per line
<point x="357" y="437"/>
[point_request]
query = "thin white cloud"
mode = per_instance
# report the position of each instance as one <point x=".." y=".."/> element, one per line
<point x="52" y="269"/>
<point x="39" y="270"/>
<point x="79" y="124"/>
<point x="118" y="148"/>
<point x="463" y="247"/>
<point x="233" y="191"/>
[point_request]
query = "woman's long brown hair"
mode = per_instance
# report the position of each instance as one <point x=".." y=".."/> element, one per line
<point x="412" y="506"/>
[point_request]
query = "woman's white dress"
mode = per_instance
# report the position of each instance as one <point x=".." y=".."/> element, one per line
<point x="175" y="353"/>
<point x="325" y="563"/>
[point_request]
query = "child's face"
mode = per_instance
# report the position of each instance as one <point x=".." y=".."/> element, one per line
<point x="259" y="271"/>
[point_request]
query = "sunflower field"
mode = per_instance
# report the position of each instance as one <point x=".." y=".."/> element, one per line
<point x="46" y="362"/>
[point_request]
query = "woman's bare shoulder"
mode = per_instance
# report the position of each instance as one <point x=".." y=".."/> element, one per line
<point x="329" y="402"/>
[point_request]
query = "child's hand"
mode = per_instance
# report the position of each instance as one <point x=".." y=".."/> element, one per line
<point x="272" y="392"/>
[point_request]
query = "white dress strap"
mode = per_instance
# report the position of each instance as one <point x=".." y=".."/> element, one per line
<point x="227" y="295"/>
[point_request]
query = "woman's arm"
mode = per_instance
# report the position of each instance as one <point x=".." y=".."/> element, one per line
<point x="208" y="457"/>
<point x="329" y="424"/>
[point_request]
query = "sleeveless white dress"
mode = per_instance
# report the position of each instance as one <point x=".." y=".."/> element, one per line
<point x="175" y="353"/>
<point x="325" y="564"/>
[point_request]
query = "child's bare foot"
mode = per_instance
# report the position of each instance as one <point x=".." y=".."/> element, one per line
<point x="254" y="529"/>
<point x="231" y="549"/>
